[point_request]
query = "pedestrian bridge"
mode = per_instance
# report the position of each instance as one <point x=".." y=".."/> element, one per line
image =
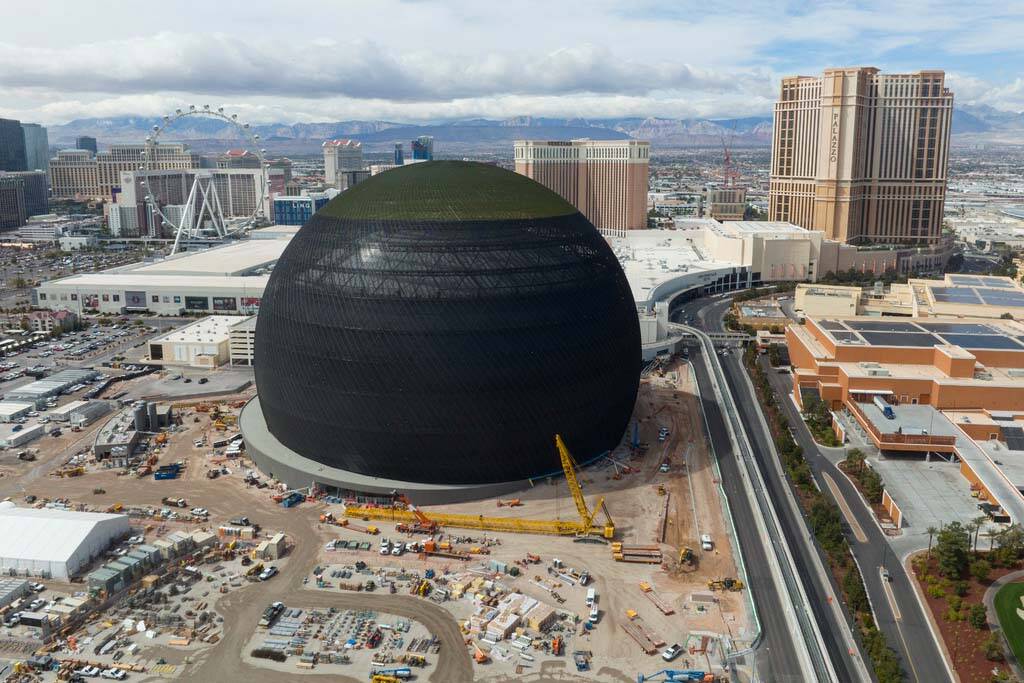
<point x="717" y="338"/>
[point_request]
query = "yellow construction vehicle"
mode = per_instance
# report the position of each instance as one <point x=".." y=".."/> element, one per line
<point x="411" y="517"/>
<point x="384" y="678"/>
<point x="727" y="584"/>
<point x="687" y="559"/>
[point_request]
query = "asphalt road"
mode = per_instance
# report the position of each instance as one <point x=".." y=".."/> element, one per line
<point x="801" y="547"/>
<point x="910" y="636"/>
<point x="776" y="658"/>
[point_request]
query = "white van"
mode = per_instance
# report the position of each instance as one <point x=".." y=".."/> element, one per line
<point x="591" y="597"/>
<point x="706" y="543"/>
<point x="593" y="616"/>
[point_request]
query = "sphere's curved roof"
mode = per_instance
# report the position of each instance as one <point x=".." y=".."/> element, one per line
<point x="447" y="345"/>
<point x="448" y="191"/>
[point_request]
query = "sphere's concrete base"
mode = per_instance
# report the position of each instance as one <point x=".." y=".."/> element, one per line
<point x="276" y="460"/>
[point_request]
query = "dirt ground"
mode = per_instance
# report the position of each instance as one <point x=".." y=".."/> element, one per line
<point x="693" y="504"/>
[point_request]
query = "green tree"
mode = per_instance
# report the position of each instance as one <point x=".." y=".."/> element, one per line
<point x="1009" y="544"/>
<point x="977" y="617"/>
<point x="951" y="549"/>
<point x="872" y="483"/>
<point x="980" y="570"/>
<point x="855" y="460"/>
<point x="856" y="596"/>
<point x="827" y="526"/>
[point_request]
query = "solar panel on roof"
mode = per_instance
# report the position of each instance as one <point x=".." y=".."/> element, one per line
<point x="957" y="328"/>
<point x="1014" y="438"/>
<point x="880" y="326"/>
<point x="845" y="336"/>
<point x="900" y="338"/>
<point x="983" y="341"/>
<point x="955" y="295"/>
<point x="965" y="280"/>
<point x="1001" y="297"/>
<point x="989" y="281"/>
<point x="831" y="324"/>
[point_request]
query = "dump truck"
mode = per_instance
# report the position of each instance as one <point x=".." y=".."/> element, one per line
<point x="174" y="502"/>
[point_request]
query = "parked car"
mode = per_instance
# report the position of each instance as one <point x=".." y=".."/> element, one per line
<point x="671" y="652"/>
<point x="200" y="512"/>
<point x="268" y="573"/>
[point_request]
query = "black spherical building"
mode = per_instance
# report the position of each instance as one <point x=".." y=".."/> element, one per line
<point x="439" y="323"/>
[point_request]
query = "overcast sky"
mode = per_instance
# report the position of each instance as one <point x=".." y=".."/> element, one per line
<point x="428" y="60"/>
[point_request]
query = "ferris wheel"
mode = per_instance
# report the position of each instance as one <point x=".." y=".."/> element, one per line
<point x="202" y="215"/>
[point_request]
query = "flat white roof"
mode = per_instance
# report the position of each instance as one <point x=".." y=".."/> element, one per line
<point x="651" y="258"/>
<point x="15" y="407"/>
<point x="46" y="534"/>
<point x="230" y="260"/>
<point x="146" y="282"/>
<point x="763" y="227"/>
<point x="212" y="329"/>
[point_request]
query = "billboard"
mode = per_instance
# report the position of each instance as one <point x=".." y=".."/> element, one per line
<point x="225" y="303"/>
<point x="197" y="303"/>
<point x="91" y="301"/>
<point x="135" y="299"/>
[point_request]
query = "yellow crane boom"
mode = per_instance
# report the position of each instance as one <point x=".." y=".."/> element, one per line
<point x="585" y="526"/>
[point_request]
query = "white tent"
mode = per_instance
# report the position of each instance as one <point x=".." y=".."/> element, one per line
<point x="55" y="543"/>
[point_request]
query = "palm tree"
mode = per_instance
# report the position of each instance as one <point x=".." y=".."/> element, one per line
<point x="979" y="523"/>
<point x="931" y="533"/>
<point x="993" y="533"/>
<point x="971" y="527"/>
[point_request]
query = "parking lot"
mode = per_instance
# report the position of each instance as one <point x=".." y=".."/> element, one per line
<point x="22" y="268"/>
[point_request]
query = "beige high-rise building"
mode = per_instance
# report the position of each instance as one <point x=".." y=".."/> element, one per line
<point x="340" y="157"/>
<point x="862" y="155"/>
<point x="77" y="173"/>
<point x="74" y="174"/>
<point x="605" y="179"/>
<point x="726" y="203"/>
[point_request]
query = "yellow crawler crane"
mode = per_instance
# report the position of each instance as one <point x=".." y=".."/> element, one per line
<point x="585" y="526"/>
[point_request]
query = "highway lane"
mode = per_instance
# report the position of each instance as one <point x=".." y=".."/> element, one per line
<point x="818" y="595"/>
<point x="776" y="659"/>
<point x="909" y="635"/>
<point x="706" y="314"/>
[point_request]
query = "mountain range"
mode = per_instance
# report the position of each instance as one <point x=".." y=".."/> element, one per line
<point x="971" y="122"/>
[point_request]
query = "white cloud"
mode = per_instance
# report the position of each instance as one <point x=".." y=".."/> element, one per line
<point x="442" y="59"/>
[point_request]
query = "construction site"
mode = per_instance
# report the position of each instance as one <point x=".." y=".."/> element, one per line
<point x="620" y="568"/>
